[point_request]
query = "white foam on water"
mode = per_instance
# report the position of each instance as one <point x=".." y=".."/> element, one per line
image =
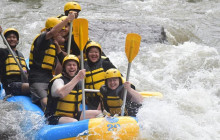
<point x="188" y="77"/>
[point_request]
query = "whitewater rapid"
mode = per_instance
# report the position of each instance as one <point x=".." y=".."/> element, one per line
<point x="186" y="69"/>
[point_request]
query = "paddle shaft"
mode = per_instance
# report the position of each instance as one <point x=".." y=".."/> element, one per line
<point x="125" y="92"/>
<point x="70" y="38"/>
<point x="92" y="90"/>
<point x="24" y="77"/>
<point x="83" y="91"/>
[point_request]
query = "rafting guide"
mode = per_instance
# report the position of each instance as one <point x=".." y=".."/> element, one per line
<point x="13" y="68"/>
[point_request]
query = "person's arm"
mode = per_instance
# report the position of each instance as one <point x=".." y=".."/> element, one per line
<point x="53" y="32"/>
<point x="99" y="107"/>
<point x="57" y="47"/>
<point x="136" y="96"/>
<point x="60" y="54"/>
<point x="66" y="89"/>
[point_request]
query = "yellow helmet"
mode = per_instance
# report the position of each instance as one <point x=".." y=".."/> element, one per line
<point x="72" y="6"/>
<point x="11" y="30"/>
<point x="70" y="57"/>
<point x="111" y="73"/>
<point x="93" y="44"/>
<point x="51" y="22"/>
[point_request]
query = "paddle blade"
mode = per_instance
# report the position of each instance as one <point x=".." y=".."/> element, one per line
<point x="150" y="94"/>
<point x="80" y="32"/>
<point x="132" y="45"/>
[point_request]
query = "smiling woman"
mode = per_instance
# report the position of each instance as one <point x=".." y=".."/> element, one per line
<point x="113" y="91"/>
<point x="94" y="54"/>
<point x="95" y="66"/>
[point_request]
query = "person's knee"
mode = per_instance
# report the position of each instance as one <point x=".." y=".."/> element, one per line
<point x="63" y="120"/>
<point x="43" y="102"/>
<point x="68" y="119"/>
<point x="92" y="114"/>
<point x="98" y="112"/>
<point x="25" y="85"/>
<point x="18" y="88"/>
<point x="25" y="88"/>
<point x="95" y="113"/>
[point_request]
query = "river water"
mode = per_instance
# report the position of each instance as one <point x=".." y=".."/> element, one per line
<point x="185" y="68"/>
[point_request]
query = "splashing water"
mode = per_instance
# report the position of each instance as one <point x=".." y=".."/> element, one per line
<point x="188" y="77"/>
<point x="187" y="74"/>
<point x="16" y="123"/>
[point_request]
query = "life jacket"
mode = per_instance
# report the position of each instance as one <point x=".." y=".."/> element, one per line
<point x="112" y="100"/>
<point x="11" y="65"/>
<point x="67" y="106"/>
<point x="95" y="78"/>
<point x="43" y="59"/>
<point x="31" y="57"/>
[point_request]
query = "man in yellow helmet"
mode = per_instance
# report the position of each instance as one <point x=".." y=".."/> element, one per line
<point x="113" y="91"/>
<point x="44" y="50"/>
<point x="10" y="74"/>
<point x="65" y="94"/>
<point x="72" y="6"/>
<point x="69" y="7"/>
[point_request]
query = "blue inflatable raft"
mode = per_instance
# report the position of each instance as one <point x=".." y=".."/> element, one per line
<point x="97" y="128"/>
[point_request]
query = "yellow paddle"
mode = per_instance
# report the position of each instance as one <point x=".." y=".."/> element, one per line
<point x="145" y="94"/>
<point x="150" y="94"/>
<point x="80" y="32"/>
<point x="132" y="45"/>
